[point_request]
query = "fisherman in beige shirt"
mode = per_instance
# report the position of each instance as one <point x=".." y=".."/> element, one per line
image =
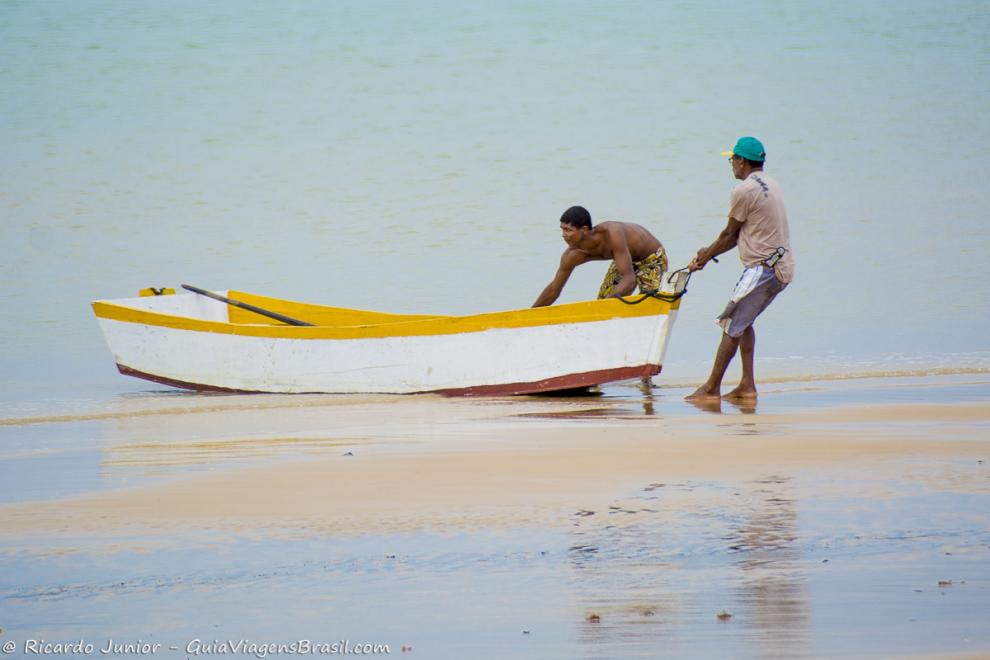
<point x="758" y="226"/>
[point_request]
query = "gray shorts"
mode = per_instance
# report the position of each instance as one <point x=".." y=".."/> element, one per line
<point x="740" y="313"/>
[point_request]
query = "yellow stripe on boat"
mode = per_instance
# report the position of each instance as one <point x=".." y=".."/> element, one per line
<point x="355" y="324"/>
<point x="320" y="315"/>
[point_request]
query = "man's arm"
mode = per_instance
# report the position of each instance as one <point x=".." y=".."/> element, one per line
<point x="725" y="242"/>
<point x="568" y="261"/>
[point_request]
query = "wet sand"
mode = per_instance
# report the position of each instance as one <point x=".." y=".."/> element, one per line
<point x="627" y="525"/>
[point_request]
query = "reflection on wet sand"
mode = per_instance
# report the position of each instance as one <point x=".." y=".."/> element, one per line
<point x="624" y="408"/>
<point x="156" y="456"/>
<point x="772" y="590"/>
<point x="714" y="406"/>
<point x="645" y="569"/>
<point x="580" y="413"/>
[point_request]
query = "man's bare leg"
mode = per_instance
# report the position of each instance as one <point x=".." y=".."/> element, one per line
<point x="723" y="356"/>
<point x="747" y="384"/>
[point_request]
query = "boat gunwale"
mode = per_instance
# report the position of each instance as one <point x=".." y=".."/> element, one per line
<point x="567" y="313"/>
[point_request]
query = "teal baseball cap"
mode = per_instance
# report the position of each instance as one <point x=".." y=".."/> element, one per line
<point x="749" y="148"/>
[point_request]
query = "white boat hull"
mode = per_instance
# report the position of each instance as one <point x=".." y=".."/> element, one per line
<point x="499" y="354"/>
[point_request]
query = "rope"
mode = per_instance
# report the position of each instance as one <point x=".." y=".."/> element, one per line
<point x="665" y="297"/>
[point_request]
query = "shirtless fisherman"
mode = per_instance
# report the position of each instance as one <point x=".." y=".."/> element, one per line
<point x="637" y="256"/>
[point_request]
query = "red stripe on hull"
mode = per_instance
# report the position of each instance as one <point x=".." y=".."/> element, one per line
<point x="127" y="371"/>
<point x="568" y="382"/>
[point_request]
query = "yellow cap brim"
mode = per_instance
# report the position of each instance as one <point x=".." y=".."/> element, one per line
<point x="728" y="153"/>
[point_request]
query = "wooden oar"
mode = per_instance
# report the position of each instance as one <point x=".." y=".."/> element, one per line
<point x="244" y="305"/>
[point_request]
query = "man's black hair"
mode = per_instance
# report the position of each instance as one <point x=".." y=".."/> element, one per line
<point x="576" y="216"/>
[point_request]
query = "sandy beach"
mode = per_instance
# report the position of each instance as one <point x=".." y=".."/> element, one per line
<point x="415" y="158"/>
<point x="623" y="525"/>
<point x="507" y="472"/>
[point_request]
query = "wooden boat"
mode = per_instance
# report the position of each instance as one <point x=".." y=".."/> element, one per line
<point x="203" y="342"/>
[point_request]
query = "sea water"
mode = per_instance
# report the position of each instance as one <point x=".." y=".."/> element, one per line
<point x="416" y="157"/>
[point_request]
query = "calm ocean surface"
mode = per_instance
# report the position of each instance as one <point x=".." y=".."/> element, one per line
<point x="416" y="157"/>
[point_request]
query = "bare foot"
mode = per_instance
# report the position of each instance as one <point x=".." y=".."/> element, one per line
<point x="741" y="393"/>
<point x="702" y="394"/>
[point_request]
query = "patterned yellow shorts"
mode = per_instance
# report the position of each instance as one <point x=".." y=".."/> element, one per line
<point x="649" y="271"/>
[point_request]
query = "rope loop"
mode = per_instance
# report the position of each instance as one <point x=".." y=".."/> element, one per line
<point x="665" y="297"/>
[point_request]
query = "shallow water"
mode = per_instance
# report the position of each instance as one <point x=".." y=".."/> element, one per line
<point x="809" y="562"/>
<point x="688" y="569"/>
<point x="417" y="159"/>
<point x="168" y="434"/>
